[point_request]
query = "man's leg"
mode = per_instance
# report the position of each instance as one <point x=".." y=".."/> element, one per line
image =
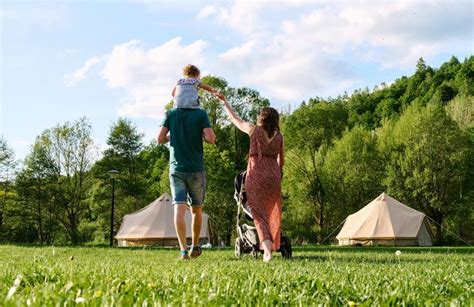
<point x="179" y="192"/>
<point x="197" y="187"/>
<point x="196" y="223"/>
<point x="180" y="224"/>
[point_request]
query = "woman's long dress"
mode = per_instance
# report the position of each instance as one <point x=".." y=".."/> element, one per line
<point x="263" y="185"/>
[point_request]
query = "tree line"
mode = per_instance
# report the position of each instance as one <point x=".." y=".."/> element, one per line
<point x="413" y="139"/>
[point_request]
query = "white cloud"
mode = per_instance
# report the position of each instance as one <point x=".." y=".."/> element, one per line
<point x="238" y="52"/>
<point x="147" y="75"/>
<point x="293" y="77"/>
<point x="242" y="16"/>
<point x="206" y="12"/>
<point x="307" y="52"/>
<point x="80" y="74"/>
<point x="310" y="54"/>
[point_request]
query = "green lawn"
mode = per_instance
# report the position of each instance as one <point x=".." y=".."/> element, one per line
<point x="328" y="275"/>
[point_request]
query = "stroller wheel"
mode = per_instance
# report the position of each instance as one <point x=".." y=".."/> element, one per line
<point x="255" y="251"/>
<point x="239" y="247"/>
<point x="285" y="247"/>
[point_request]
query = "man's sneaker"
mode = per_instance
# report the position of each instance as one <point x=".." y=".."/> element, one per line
<point x="184" y="255"/>
<point x="195" y="251"/>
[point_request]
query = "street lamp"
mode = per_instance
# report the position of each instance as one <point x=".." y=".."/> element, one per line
<point x="113" y="174"/>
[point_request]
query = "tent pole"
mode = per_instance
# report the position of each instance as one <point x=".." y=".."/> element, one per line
<point x="448" y="230"/>
<point x="334" y="231"/>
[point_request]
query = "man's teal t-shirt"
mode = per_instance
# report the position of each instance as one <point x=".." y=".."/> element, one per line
<point x="186" y="149"/>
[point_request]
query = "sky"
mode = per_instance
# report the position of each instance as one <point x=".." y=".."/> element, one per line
<point x="104" y="59"/>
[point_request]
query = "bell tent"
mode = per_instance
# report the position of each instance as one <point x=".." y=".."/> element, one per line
<point x="386" y="221"/>
<point x="154" y="225"/>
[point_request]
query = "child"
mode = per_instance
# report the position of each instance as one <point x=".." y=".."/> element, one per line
<point x="185" y="92"/>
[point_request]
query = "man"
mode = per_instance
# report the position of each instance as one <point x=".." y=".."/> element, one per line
<point x="187" y="128"/>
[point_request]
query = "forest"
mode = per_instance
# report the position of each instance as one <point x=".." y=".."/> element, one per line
<point x="413" y="139"/>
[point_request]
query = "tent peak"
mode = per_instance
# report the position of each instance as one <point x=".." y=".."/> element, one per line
<point x="384" y="196"/>
<point x="164" y="197"/>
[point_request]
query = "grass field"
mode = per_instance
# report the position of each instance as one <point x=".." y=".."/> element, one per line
<point x="316" y="275"/>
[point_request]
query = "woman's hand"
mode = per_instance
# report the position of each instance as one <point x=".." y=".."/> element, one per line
<point x="236" y="120"/>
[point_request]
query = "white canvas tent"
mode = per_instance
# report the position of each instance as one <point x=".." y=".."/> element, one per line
<point x="154" y="225"/>
<point x="386" y="221"/>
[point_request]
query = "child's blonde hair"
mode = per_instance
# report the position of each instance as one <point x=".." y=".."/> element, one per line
<point x="191" y="71"/>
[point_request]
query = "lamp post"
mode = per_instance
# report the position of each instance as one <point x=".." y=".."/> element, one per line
<point x="113" y="174"/>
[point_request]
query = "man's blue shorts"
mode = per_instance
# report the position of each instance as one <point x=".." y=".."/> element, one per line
<point x="188" y="187"/>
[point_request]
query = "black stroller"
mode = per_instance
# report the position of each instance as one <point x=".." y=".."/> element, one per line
<point x="247" y="240"/>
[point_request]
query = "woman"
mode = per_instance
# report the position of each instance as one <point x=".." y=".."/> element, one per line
<point x="264" y="169"/>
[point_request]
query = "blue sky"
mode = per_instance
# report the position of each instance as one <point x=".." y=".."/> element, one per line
<point x="61" y="60"/>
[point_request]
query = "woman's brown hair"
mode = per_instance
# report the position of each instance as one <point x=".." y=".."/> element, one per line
<point x="269" y="119"/>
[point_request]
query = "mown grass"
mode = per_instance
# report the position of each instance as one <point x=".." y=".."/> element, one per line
<point x="315" y="275"/>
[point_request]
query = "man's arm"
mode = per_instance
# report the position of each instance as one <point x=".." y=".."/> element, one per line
<point x="163" y="137"/>
<point x="209" y="135"/>
<point x="173" y="92"/>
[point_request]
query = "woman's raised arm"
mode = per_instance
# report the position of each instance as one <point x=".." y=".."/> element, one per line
<point x="236" y="120"/>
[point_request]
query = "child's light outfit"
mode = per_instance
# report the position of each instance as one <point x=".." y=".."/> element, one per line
<point x="186" y="93"/>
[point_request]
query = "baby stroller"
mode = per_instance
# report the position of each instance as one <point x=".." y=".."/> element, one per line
<point x="247" y="240"/>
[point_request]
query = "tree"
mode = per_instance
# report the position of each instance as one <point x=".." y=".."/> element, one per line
<point x="210" y="103"/>
<point x="155" y="159"/>
<point x="53" y="184"/>
<point x="427" y="161"/>
<point x="307" y="131"/>
<point x="71" y="153"/>
<point x="361" y="106"/>
<point x="421" y="65"/>
<point x="352" y="173"/>
<point x="124" y="155"/>
<point x="37" y="189"/>
<point x="125" y="145"/>
<point x="246" y="102"/>
<point x="464" y="79"/>
<point x="461" y="110"/>
<point x="35" y="206"/>
<point x="219" y="201"/>
<point x="7" y="168"/>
